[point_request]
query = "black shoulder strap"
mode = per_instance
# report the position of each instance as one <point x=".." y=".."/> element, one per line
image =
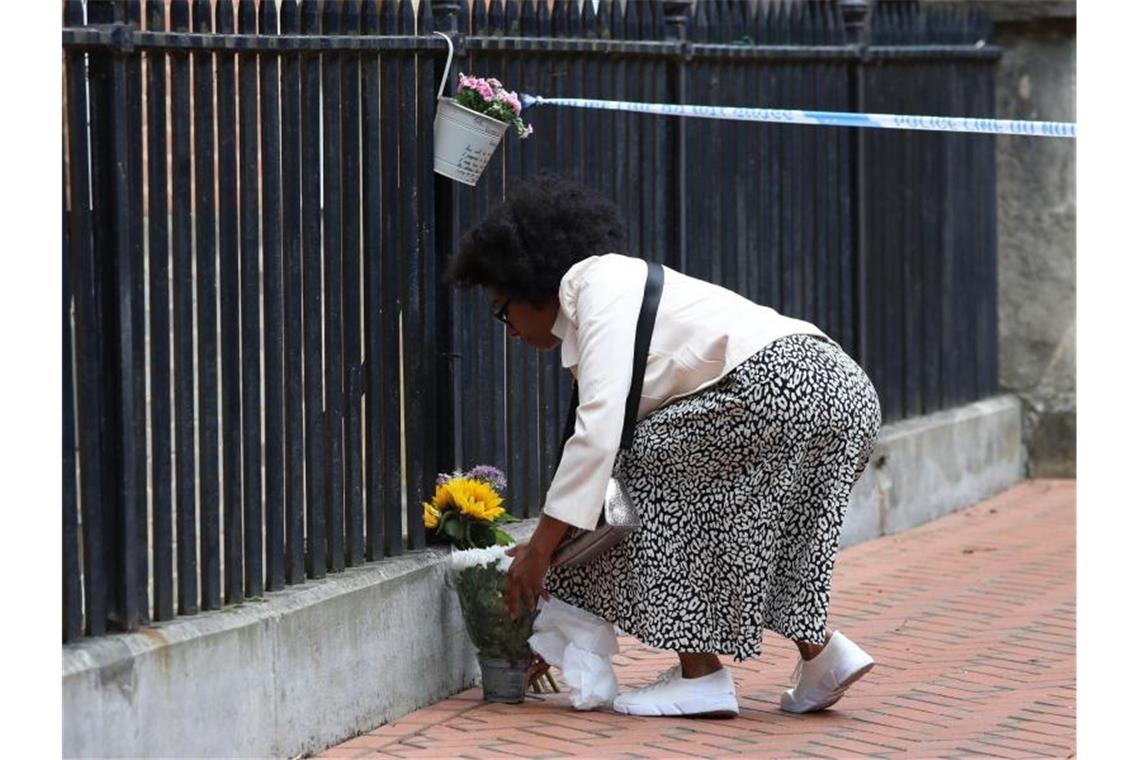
<point x="645" y="321"/>
<point x="654" y="281"/>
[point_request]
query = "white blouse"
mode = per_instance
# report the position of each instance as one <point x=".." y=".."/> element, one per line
<point x="703" y="332"/>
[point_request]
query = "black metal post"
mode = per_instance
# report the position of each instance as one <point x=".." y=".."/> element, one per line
<point x="182" y="257"/>
<point x="386" y="308"/>
<point x="411" y="287"/>
<point x="290" y="20"/>
<point x="252" y="401"/>
<point x="315" y="458"/>
<point x="448" y="442"/>
<point x="273" y="286"/>
<point x="350" y="289"/>
<point x="159" y="315"/>
<point x="373" y="301"/>
<point x="205" y="252"/>
<point x="333" y="238"/>
<point x="119" y="298"/>
<point x="72" y="594"/>
<point x="229" y="293"/>
<point x="137" y="530"/>
<point x="677" y="17"/>
<point x="855" y="20"/>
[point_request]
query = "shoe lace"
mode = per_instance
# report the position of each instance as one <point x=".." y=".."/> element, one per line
<point x="663" y="678"/>
<point x="797" y="672"/>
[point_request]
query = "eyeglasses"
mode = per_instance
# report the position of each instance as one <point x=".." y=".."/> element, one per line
<point x="501" y="313"/>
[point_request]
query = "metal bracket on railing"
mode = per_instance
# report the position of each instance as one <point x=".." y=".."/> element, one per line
<point x="123" y="38"/>
<point x="119" y="38"/>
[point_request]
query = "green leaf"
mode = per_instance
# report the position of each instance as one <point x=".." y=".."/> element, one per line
<point x="502" y="538"/>
<point x="482" y="535"/>
<point x="452" y="527"/>
<point x="506" y="517"/>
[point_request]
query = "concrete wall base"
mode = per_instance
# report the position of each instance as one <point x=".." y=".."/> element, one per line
<point x="316" y="664"/>
<point x="927" y="467"/>
<point x="298" y="672"/>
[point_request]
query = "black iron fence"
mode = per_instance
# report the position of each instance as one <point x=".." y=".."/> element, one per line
<point x="262" y="372"/>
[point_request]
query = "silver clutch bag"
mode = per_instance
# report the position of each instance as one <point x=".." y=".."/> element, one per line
<point x="618" y="519"/>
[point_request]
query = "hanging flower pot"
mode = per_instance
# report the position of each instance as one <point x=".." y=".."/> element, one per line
<point x="469" y="127"/>
<point x="465" y="140"/>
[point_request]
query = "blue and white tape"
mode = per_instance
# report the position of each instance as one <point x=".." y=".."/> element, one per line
<point x="822" y="118"/>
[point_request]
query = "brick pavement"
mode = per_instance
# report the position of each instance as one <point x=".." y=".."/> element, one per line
<point x="971" y="621"/>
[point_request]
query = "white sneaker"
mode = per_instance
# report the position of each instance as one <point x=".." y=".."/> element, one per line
<point x="711" y="696"/>
<point x="821" y="681"/>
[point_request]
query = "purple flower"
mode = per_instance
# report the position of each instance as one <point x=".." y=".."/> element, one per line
<point x="490" y="475"/>
<point x="443" y="477"/>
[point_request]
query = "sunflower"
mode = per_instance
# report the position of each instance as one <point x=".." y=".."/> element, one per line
<point x="431" y="516"/>
<point x="471" y="497"/>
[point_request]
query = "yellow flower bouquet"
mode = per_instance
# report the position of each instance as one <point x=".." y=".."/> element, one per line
<point x="467" y="509"/>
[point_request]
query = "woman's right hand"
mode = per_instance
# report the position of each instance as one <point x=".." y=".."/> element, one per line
<point x="524" y="579"/>
<point x="531" y="560"/>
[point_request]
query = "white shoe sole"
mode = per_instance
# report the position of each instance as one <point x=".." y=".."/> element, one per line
<point x="819" y="699"/>
<point x="719" y="706"/>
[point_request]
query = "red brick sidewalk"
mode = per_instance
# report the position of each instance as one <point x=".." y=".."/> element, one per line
<point x="971" y="620"/>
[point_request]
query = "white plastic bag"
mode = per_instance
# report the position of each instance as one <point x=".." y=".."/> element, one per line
<point x="581" y="645"/>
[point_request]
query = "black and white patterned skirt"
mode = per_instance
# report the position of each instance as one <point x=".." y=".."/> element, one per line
<point x="742" y="489"/>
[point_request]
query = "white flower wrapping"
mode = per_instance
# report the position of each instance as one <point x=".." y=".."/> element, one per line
<point x="461" y="560"/>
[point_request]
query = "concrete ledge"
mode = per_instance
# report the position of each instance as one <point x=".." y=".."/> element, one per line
<point x="306" y="668"/>
<point x="316" y="664"/>
<point x="927" y="467"/>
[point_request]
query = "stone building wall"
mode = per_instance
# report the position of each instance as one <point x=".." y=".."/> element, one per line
<point x="1037" y="215"/>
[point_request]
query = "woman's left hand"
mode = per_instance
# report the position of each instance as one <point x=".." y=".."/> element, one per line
<point x="525" y="579"/>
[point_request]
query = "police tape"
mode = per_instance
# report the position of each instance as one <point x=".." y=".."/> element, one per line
<point x="822" y="118"/>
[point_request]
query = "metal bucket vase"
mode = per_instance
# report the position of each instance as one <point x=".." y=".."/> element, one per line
<point x="464" y="140"/>
<point x="503" y="680"/>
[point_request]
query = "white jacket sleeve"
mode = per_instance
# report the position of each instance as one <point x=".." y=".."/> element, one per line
<point x="607" y="311"/>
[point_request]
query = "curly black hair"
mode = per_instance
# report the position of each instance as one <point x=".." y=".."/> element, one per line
<point x="524" y="246"/>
